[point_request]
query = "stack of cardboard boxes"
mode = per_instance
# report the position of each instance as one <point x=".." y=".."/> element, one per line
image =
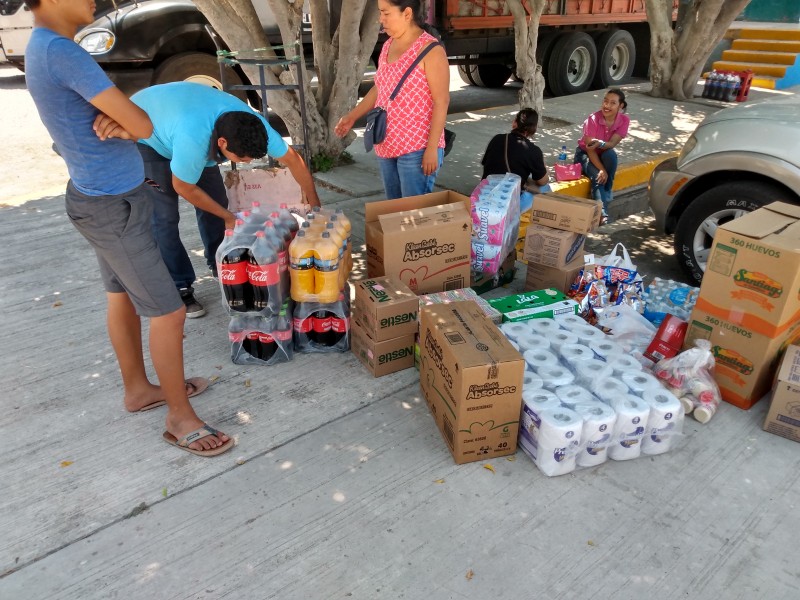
<point x="471" y="377"/>
<point x="749" y="302"/>
<point x="554" y="240"/>
<point x="384" y="325"/>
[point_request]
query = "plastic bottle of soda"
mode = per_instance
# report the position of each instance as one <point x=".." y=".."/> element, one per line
<point x="321" y="333"/>
<point x="345" y="234"/>
<point x="302" y="325"/>
<point x="281" y="244"/>
<point x="301" y="267"/>
<point x="267" y="345"/>
<point x="288" y="219"/>
<point x="340" y="322"/>
<point x="251" y="344"/>
<point x="263" y="272"/>
<point x="232" y="261"/>
<point x="283" y="331"/>
<point x="326" y="263"/>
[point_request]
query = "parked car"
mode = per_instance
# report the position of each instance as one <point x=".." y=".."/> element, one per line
<point x="737" y="160"/>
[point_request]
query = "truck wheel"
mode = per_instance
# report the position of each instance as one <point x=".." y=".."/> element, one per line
<point x="465" y="72"/>
<point x="698" y="224"/>
<point x="616" y="57"/>
<point x="490" y="76"/>
<point x="543" y="47"/>
<point x="197" y="67"/>
<point x="572" y="63"/>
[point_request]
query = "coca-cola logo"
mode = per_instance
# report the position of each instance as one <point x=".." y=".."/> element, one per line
<point x="232" y="276"/>
<point x="262" y="276"/>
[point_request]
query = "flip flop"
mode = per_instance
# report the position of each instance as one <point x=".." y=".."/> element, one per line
<point x="194" y="387"/>
<point x="198" y="434"/>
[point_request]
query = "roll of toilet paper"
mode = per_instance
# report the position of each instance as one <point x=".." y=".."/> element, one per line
<point x="513" y="330"/>
<point x="632" y="415"/>
<point x="570" y="395"/>
<point x="561" y="337"/>
<point x="608" y="388"/>
<point x="571" y="352"/>
<point x="543" y="326"/>
<point x="639" y="382"/>
<point x="540" y="358"/>
<point x="559" y="441"/>
<point x="531" y="381"/>
<point x="532" y="341"/>
<point x="665" y="422"/>
<point x="623" y="362"/>
<point x="596" y="436"/>
<point x="605" y="348"/>
<point x="587" y="371"/>
<point x="539" y="400"/>
<point x="588" y="333"/>
<point x="569" y="322"/>
<point x="554" y="376"/>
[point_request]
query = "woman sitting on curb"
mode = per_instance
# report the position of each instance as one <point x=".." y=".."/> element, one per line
<point x="515" y="153"/>
<point x="602" y="131"/>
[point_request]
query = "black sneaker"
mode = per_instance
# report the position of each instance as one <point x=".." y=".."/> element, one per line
<point x="194" y="309"/>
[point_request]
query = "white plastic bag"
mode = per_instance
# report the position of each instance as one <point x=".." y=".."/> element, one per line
<point x="613" y="259"/>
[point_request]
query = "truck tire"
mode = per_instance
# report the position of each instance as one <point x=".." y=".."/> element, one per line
<point x="616" y="56"/>
<point x="196" y="67"/>
<point x="572" y="63"/>
<point x="490" y="76"/>
<point x="544" y="46"/>
<point x="698" y="223"/>
<point x="465" y="71"/>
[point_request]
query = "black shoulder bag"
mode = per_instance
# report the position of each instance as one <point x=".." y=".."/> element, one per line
<point x="375" y="131"/>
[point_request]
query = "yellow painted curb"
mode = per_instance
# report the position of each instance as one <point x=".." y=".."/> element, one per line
<point x="628" y="175"/>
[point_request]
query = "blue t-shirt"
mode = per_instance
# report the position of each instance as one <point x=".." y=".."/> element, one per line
<point x="62" y="78"/>
<point x="183" y="116"/>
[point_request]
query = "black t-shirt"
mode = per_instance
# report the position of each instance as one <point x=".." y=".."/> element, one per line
<point x="524" y="157"/>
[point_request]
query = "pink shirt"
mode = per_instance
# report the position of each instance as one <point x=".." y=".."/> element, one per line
<point x="408" y="116"/>
<point x="595" y="127"/>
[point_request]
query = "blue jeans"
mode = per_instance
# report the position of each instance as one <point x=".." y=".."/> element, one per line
<point x="166" y="217"/>
<point x="403" y="176"/>
<point x="609" y="159"/>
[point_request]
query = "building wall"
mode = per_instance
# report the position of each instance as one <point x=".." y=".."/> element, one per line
<point x="773" y="11"/>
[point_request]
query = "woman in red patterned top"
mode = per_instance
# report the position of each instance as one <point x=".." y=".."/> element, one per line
<point x="413" y="150"/>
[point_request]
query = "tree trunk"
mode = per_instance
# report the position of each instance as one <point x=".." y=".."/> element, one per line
<point x="677" y="56"/>
<point x="526" y="32"/>
<point x="340" y="58"/>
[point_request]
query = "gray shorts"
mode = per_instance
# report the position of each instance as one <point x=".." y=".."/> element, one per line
<point x="119" y="229"/>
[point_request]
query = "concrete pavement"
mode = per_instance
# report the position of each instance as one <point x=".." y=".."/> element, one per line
<point x="341" y="486"/>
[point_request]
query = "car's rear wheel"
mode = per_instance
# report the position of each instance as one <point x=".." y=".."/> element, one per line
<point x="698" y="224"/>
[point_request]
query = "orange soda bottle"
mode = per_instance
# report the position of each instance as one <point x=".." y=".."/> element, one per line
<point x="326" y="263"/>
<point x="301" y="267"/>
<point x="336" y="236"/>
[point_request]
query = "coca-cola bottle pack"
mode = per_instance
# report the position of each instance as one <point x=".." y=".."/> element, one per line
<point x="322" y="327"/>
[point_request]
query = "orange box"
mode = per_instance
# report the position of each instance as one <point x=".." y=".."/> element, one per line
<point x="745" y="359"/>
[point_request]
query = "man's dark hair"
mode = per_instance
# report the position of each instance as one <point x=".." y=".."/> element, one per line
<point x="33" y="3"/>
<point x="245" y="133"/>
<point x="527" y="121"/>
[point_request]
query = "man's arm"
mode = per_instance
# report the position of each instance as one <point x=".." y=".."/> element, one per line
<point x="130" y="117"/>
<point x="197" y="197"/>
<point x="297" y="167"/>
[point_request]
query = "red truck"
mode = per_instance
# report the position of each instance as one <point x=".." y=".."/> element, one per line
<point x="582" y="43"/>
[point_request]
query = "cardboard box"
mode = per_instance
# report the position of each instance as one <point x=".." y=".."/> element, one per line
<point x="540" y="277"/>
<point x="566" y="212"/>
<point x="546" y="303"/>
<point x="552" y="247"/>
<point x="745" y="359"/>
<point x="381" y="357"/>
<point x="471" y="377"/>
<point x="424" y="241"/>
<point x="460" y="296"/>
<point x="784" y="412"/>
<point x="753" y="272"/>
<point x="483" y="283"/>
<point x="386" y="308"/>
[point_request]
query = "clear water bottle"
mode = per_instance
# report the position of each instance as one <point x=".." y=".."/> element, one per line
<point x="562" y="156"/>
